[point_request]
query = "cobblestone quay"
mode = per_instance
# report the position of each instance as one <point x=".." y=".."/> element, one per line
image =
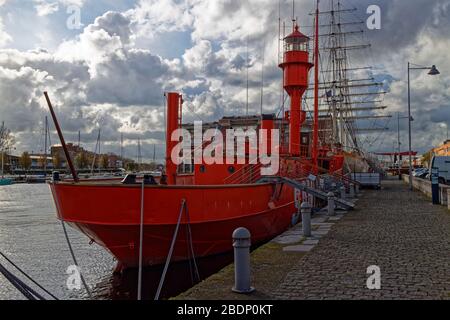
<point x="399" y="231"/>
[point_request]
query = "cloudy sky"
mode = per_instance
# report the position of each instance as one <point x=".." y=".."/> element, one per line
<point x="110" y="71"/>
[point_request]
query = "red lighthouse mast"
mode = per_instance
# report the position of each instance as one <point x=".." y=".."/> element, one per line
<point x="296" y="68"/>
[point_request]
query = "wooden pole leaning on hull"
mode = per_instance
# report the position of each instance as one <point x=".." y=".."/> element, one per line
<point x="61" y="138"/>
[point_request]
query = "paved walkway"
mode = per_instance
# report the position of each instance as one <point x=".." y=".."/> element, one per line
<point x="394" y="229"/>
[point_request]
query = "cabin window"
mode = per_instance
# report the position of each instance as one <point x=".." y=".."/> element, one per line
<point x="202" y="169"/>
<point x="231" y="169"/>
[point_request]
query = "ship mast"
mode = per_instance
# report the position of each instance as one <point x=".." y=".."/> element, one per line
<point x="344" y="106"/>
<point x="45" y="146"/>
<point x="315" y="147"/>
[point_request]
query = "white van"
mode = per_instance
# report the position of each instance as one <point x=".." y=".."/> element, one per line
<point x="443" y="164"/>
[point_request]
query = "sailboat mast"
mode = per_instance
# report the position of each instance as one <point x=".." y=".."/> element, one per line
<point x="45" y="146"/>
<point x="3" y="163"/>
<point x="139" y="158"/>
<point x="315" y="149"/>
<point x="121" y="146"/>
<point x="3" y="150"/>
<point x="97" y="147"/>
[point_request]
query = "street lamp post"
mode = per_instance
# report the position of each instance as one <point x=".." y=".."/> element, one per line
<point x="433" y="72"/>
<point x="399" y="144"/>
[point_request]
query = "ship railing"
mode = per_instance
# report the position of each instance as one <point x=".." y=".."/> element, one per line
<point x="250" y="176"/>
<point x="340" y="177"/>
<point x="250" y="173"/>
<point x="322" y="173"/>
<point x="305" y="150"/>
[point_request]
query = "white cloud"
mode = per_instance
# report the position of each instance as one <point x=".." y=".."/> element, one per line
<point x="49" y="7"/>
<point x="156" y="16"/>
<point x="44" y="8"/>
<point x="196" y="58"/>
<point x="108" y="34"/>
<point x="5" y="38"/>
<point x="101" y="77"/>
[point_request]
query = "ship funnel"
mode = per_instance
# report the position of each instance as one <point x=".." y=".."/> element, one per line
<point x="268" y="123"/>
<point x="174" y="119"/>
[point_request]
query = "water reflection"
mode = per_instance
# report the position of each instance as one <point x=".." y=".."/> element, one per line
<point x="180" y="277"/>
<point x="32" y="237"/>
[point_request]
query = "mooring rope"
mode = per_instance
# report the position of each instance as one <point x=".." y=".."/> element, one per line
<point x="169" y="256"/>
<point x="190" y="251"/>
<point x="75" y="260"/>
<point x="191" y="271"/>
<point x="191" y="244"/>
<point x="27" y="276"/>
<point x="27" y="291"/>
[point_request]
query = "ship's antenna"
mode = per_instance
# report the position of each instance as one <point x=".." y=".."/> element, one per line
<point x="293" y="14"/>
<point x="262" y="74"/>
<point x="247" y="66"/>
<point x="282" y="85"/>
<point x="279" y="30"/>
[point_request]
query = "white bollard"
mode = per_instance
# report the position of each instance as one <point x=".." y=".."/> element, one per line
<point x="331" y="204"/>
<point x="352" y="190"/>
<point x="306" y="219"/>
<point x="242" y="244"/>
<point x="343" y="193"/>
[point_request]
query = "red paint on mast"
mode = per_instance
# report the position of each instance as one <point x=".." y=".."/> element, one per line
<point x="315" y="147"/>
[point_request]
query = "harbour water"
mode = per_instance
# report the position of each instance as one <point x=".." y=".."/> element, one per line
<point x="33" y="238"/>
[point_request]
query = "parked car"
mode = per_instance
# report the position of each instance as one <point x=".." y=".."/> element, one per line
<point x="424" y="174"/>
<point x="418" y="172"/>
<point x="443" y="165"/>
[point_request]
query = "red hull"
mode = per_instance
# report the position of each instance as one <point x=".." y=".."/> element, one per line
<point x="109" y="215"/>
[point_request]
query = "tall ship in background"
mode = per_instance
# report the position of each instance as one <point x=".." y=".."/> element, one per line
<point x="350" y="98"/>
<point x="351" y="107"/>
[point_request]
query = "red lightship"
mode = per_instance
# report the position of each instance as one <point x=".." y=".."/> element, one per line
<point x="209" y="201"/>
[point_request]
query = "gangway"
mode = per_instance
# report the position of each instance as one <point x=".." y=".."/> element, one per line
<point x="340" y="203"/>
